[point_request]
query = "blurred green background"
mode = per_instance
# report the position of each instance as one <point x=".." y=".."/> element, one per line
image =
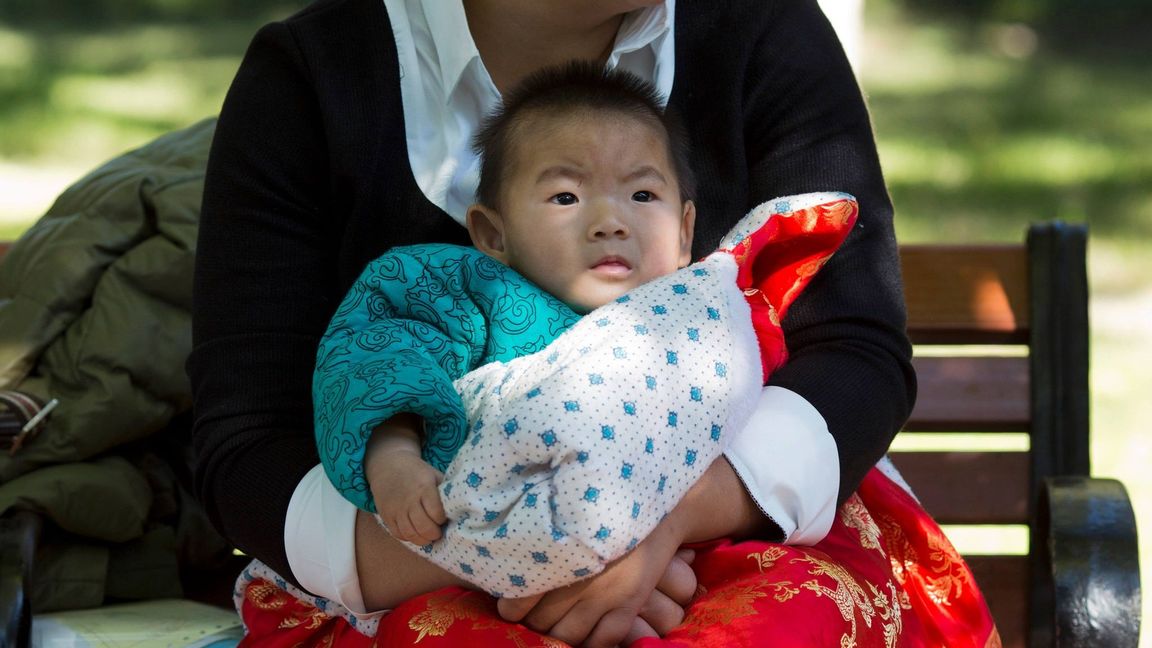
<point x="990" y="114"/>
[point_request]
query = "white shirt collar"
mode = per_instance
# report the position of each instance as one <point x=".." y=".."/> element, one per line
<point x="642" y="28"/>
<point x="447" y="91"/>
<point x="448" y="26"/>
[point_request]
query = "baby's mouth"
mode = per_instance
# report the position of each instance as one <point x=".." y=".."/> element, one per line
<point x="613" y="265"/>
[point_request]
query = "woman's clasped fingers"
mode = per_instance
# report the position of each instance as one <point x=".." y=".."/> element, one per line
<point x="515" y="609"/>
<point x="587" y="626"/>
<point x="679" y="581"/>
<point x="661" y="613"/>
<point x="640" y="629"/>
<point x="564" y="608"/>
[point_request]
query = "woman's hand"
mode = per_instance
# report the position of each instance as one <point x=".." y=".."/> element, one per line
<point x="668" y="603"/>
<point x="643" y="593"/>
<point x="646" y="592"/>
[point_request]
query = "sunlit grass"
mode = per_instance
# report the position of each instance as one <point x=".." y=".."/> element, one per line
<point x="11" y="230"/>
<point x="165" y="91"/>
<point x="17" y="51"/>
<point x="71" y="94"/>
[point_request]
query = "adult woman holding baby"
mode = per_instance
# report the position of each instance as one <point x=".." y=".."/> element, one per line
<point x="347" y="132"/>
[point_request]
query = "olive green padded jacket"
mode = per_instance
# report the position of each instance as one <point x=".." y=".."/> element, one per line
<point x="95" y="308"/>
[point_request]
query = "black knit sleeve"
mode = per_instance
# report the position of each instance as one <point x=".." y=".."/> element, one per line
<point x="807" y="129"/>
<point x="263" y="293"/>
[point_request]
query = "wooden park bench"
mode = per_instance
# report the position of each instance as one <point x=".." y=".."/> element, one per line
<point x="1079" y="583"/>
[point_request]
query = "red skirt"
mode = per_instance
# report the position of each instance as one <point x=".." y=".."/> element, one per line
<point x="884" y="576"/>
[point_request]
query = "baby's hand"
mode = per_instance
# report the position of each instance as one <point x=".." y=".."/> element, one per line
<point x="403" y="485"/>
<point x="407" y="499"/>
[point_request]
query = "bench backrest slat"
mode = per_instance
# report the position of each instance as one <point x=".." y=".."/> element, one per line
<point x="966" y="294"/>
<point x="971" y="394"/>
<point x="1001" y="580"/>
<point x="969" y="487"/>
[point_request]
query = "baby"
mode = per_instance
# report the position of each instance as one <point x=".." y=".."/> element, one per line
<point x="587" y="203"/>
<point x="584" y="204"/>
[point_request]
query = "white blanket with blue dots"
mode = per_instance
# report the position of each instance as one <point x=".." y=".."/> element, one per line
<point x="571" y="461"/>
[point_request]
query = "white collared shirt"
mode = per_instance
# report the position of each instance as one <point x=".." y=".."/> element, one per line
<point x="447" y="91"/>
<point x="785" y="456"/>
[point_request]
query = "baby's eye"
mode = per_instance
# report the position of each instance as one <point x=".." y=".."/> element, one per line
<point x="564" y="198"/>
<point x="643" y="196"/>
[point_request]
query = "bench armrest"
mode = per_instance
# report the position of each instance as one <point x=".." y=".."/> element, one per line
<point x="1089" y="564"/>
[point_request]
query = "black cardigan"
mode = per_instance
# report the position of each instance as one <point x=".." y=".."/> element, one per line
<point x="308" y="180"/>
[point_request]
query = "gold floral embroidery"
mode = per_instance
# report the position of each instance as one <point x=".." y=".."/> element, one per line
<point x="773" y="316"/>
<point x="443" y="610"/>
<point x="890" y="608"/>
<point x="766" y="560"/>
<point x="839" y="212"/>
<point x="803" y="272"/>
<point x="849" y="598"/>
<point x="848" y="595"/>
<point x="812" y="267"/>
<point x="768" y="557"/>
<point x="266" y="596"/>
<point x="311" y="618"/>
<point x="807" y="217"/>
<point x="740" y="252"/>
<point x="950" y="576"/>
<point x="944" y="572"/>
<point x="723" y="606"/>
<point x="431" y="622"/>
<point x="854" y="515"/>
<point x="901" y="553"/>
<point x="784" y="591"/>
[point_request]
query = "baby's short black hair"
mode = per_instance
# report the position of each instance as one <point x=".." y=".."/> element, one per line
<point x="569" y="88"/>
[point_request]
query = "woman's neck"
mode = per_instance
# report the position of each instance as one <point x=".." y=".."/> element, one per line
<point x="517" y="37"/>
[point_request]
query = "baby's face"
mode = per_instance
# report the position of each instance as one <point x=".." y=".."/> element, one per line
<point x="590" y="207"/>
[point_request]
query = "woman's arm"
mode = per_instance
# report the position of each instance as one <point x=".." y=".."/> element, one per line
<point x="264" y="286"/>
<point x="807" y="129"/>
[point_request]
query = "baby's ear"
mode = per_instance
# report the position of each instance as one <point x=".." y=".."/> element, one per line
<point x="486" y="229"/>
<point x="687" y="229"/>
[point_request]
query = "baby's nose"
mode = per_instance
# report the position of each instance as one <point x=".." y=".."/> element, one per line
<point x="608" y="224"/>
